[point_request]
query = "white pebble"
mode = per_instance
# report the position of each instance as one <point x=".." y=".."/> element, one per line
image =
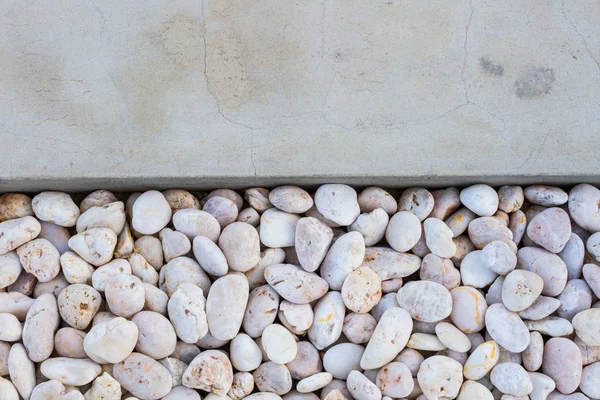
<point x="55" y="207"/>
<point x="403" y="231"/>
<point x="337" y="203"/>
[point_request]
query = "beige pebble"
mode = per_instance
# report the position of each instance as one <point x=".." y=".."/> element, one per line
<point x="517" y="224"/>
<point x="228" y="194"/>
<point x="545" y="264"/>
<point x="223" y="209"/>
<point x="261" y="310"/>
<point x="11" y="329"/>
<point x="587" y="326"/>
<point x="452" y="337"/>
<point x="209" y="256"/>
<point x="358" y="328"/>
<point x="10" y="269"/>
<point x="361" y="290"/>
<point x="272" y="377"/>
<point x="179" y="199"/>
<point x="425" y="342"/>
<point x="371" y="225"/>
<point x="40" y="258"/>
<point x="337" y="203"/>
<point x="372" y="198"/>
<point x="242" y="386"/>
<point x="482" y="360"/>
<point x="78" y="303"/>
<point x="506" y="328"/>
<point x="511" y="198"/>
<point x="15" y="303"/>
<point x="278" y="228"/>
<point x="151" y="212"/>
<point x="15" y="205"/>
<point x="15" y="232"/>
<point x="225" y="305"/>
<point x="55" y="207"/>
<point x="105" y="273"/>
<point x="125" y="295"/>
<point x="143" y="377"/>
<point x="360" y="387"/>
<point x="551" y="229"/>
<point x="446" y="202"/>
<point x="38" y="331"/>
<point x="142" y="269"/>
<point x="297" y="318"/>
<point x="438" y="237"/>
<point x="583" y="200"/>
<point x="547" y="196"/>
<point x="390" y="336"/>
<point x="291" y="199"/>
<point x="97" y="198"/>
<point x="474" y="390"/>
<point x="439" y="270"/>
<point x="111" y="341"/>
<point x="256" y="275"/>
<point x="111" y="215"/>
<point x="95" y="245"/>
<point x="210" y="371"/>
<point x="75" y="268"/>
<point x="192" y="222"/>
<point x="70" y="371"/>
<point x="295" y="284"/>
<point x="403" y="231"/>
<point x="175" y="367"/>
<point x="425" y="300"/>
<point x="481" y="199"/>
<point x="279" y="344"/>
<point x="125" y="243"/>
<point x="186" y="309"/>
<point x="440" y="376"/>
<point x="498" y="257"/>
<point x="105" y="387"/>
<point x="68" y="342"/>
<point x="258" y="198"/>
<point x="541" y="308"/>
<point x="8" y="390"/>
<point x="511" y="378"/>
<point x="156" y="337"/>
<point x="306" y="363"/>
<point x="241" y="246"/>
<point x="249" y="215"/>
<point x="57" y="235"/>
<point x="341" y="359"/>
<point x="484" y="230"/>
<point x="417" y="200"/>
<point x="182" y="270"/>
<point x="459" y="221"/>
<point x="534" y="353"/>
<point x="563" y="363"/>
<point x="520" y="289"/>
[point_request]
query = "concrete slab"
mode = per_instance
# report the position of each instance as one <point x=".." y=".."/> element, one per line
<point x="205" y="93"/>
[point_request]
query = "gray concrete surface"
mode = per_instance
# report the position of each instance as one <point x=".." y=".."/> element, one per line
<point x="131" y="94"/>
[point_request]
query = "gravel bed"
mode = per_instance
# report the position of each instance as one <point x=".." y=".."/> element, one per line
<point x="476" y="293"/>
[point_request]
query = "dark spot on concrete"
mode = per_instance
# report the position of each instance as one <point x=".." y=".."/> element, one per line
<point x="534" y="83"/>
<point x="490" y="67"/>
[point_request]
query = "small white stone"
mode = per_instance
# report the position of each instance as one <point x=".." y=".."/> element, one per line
<point x="419" y="201"/>
<point x="551" y="229"/>
<point x="534" y="353"/>
<point x="361" y="387"/>
<point x="225" y="305"/>
<point x="371" y="225"/>
<point x="57" y="235"/>
<point x="395" y="380"/>
<point x="291" y="199"/>
<point x="440" y="376"/>
<point x="403" y="231"/>
<point x="590" y="380"/>
<point x="125" y="295"/>
<point x="482" y="360"/>
<point x="209" y="256"/>
<point x="95" y="245"/>
<point x="474" y="390"/>
<point x="249" y="215"/>
<point x="78" y="303"/>
<point x="278" y="228"/>
<point x="390" y="264"/>
<point x="10" y="269"/>
<point x="439" y="238"/>
<point x="296" y="317"/>
<point x="341" y="359"/>
<point x="358" y="328"/>
<point x="484" y="230"/>
<point x="547" y="265"/>
<point x="517" y="224"/>
<point x="210" y="371"/>
<point x="587" y="326"/>
<point x="390" y="336"/>
<point x="111" y="215"/>
<point x="40" y="258"/>
<point x="186" y="312"/>
<point x="314" y="382"/>
<point x="361" y="290"/>
<point x="258" y="198"/>
<point x="151" y="213"/>
<point x="312" y="240"/>
<point x="425" y="342"/>
<point x="15" y="303"/>
<point x="337" y="203"/>
<point x="38" y="331"/>
<point x="543" y="385"/>
<point x="506" y="328"/>
<point x="551" y="326"/>
<point x="511" y="198"/>
<point x="224" y="210"/>
<point x="474" y="273"/>
<point x="452" y="337"/>
<point x="241" y="246"/>
<point x="245" y="353"/>
<point x="497" y="256"/>
<point x="182" y="270"/>
<point x="425" y="300"/>
<point x="192" y="222"/>
<point x="295" y="284"/>
<point x="75" y="268"/>
<point x="70" y="371"/>
<point x="547" y="196"/>
<point x="174" y="244"/>
<point x="306" y="363"/>
<point x="372" y="198"/>
<point x="279" y="344"/>
<point x="446" y="202"/>
<point x="156" y="337"/>
<point x="459" y="221"/>
<point x="15" y="232"/>
<point x="10" y="328"/>
<point x="583" y="206"/>
<point x="103" y="274"/>
<point x="563" y="363"/>
<point x="142" y="269"/>
<point x="55" y="207"/>
<point x="143" y="377"/>
<point x="511" y="378"/>
<point x="328" y="320"/>
<point x="520" y="289"/>
<point x="272" y="377"/>
<point x="576" y="297"/>
<point x="111" y="341"/>
<point x="439" y="270"/>
<point x="481" y="199"/>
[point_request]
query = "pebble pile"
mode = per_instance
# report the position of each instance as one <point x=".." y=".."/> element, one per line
<point x="472" y="294"/>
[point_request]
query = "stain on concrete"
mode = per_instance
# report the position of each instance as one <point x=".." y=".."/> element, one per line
<point x="490" y="67"/>
<point x="534" y="83"/>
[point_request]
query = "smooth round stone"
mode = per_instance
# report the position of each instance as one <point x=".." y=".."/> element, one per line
<point x="228" y="194"/>
<point x="242" y="386"/>
<point x="10" y="328"/>
<point x="249" y="215"/>
<point x="95" y="245"/>
<point x="506" y="328"/>
<point x="21" y="370"/>
<point x="425" y="342"/>
<point x="371" y="225"/>
<point x="403" y="231"/>
<point x="223" y="209"/>
<point x="151" y="212"/>
<point x="542" y="386"/>
<point x="474" y="273"/>
<point x="157" y="338"/>
<point x="15" y="205"/>
<point x="551" y="326"/>
<point x="361" y="290"/>
<point x="111" y="341"/>
<point x="55" y="207"/>
<point x="295" y="317"/>
<point x="390" y="264"/>
<point x="105" y="273"/>
<point x="481" y="199"/>
<point x="576" y="297"/>
<point x="150" y="248"/>
<point x="590" y="380"/>
<point x="97" y="198"/>
<point x="125" y="295"/>
<point x="446" y="201"/>
<point x="418" y="201"/>
<point x="587" y="326"/>
<point x="511" y="378"/>
<point x="459" y="221"/>
<point x="174" y="244"/>
<point x="78" y="304"/>
<point x="439" y="270"/>
<point x="592" y="245"/>
<point x="295" y="284"/>
<point x="358" y="328"/>
<point x="534" y="353"/>
<point x="110" y="216"/>
<point x="182" y="270"/>
<point x="245" y="353"/>
<point x="498" y="257"/>
<point x="395" y="380"/>
<point x="390" y="336"/>
<point x="40" y="258"/>
<point x="510" y="198"/>
<point x="192" y="222"/>
<point x="439" y="237"/>
<point x="474" y="390"/>
<point x="482" y="360"/>
<point x="360" y="387"/>
<point x="209" y="256"/>
<point x="70" y="371"/>
<point x="179" y="199"/>
<point x="225" y="305"/>
<point x="258" y="198"/>
<point x="484" y="230"/>
<point x="261" y="310"/>
<point x="278" y="228"/>
<point x="412" y="359"/>
<point x="440" y="377"/>
<point x="551" y="229"/>
<point x="372" y="198"/>
<point x="340" y="359"/>
<point x="272" y="377"/>
<point x="15" y="303"/>
<point x="53" y="389"/>
<point x="520" y="289"/>
<point x="306" y="363"/>
<point x="15" y="232"/>
<point x="344" y="256"/>
<point x="68" y="342"/>
<point x="143" y="377"/>
<point x="562" y="362"/>
<point x="142" y="269"/>
<point x="38" y="331"/>
<point x="8" y="390"/>
<point x="279" y="344"/>
<point x="75" y="268"/>
<point x="547" y="196"/>
<point x="517" y="225"/>
<point x="591" y="274"/>
<point x="328" y="320"/>
<point x="57" y="235"/>
<point x="291" y="199"/>
<point x="425" y="301"/>
<point x="312" y="240"/>
<point x="452" y="337"/>
<point x="545" y="264"/>
<point x="583" y="206"/>
<point x="10" y="269"/>
<point x="314" y="382"/>
<point x="338" y="203"/>
<point x="241" y="246"/>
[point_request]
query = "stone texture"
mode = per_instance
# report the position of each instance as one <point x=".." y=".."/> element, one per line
<point x="259" y="97"/>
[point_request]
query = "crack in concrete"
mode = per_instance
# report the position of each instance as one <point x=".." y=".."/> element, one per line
<point x="562" y="9"/>
<point x="101" y="15"/>
<point x="462" y="72"/>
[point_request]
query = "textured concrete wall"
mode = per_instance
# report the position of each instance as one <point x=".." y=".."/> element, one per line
<point x="110" y="92"/>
